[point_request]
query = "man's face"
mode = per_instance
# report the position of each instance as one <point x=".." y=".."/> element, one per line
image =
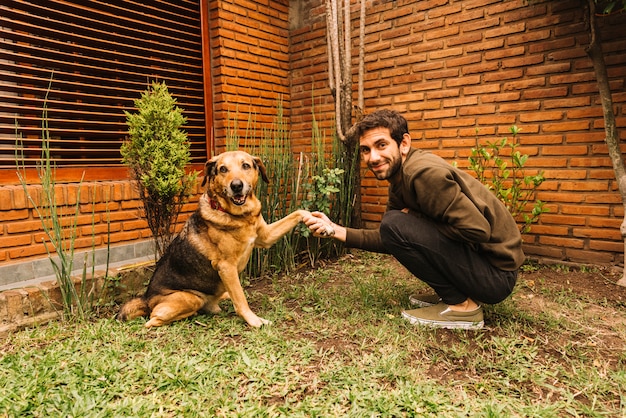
<point x="381" y="153"/>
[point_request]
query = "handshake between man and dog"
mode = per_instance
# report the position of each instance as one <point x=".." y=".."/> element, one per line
<point x="202" y="264"/>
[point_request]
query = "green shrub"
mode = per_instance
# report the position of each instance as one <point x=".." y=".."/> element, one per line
<point x="499" y="165"/>
<point x="157" y="153"/>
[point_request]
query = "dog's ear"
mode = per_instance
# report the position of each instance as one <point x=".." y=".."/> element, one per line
<point x="261" y="167"/>
<point x="210" y="170"/>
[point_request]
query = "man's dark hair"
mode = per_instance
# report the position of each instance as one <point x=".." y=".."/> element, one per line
<point x="383" y="118"/>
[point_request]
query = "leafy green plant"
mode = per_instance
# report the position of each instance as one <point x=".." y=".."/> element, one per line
<point x="329" y="188"/>
<point x="320" y="190"/>
<point x="157" y="153"/>
<point x="499" y="165"/>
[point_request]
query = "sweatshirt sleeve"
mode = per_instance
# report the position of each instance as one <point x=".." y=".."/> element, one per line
<point x="365" y="239"/>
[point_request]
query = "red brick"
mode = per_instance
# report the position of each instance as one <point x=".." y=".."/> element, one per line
<point x="565" y="174"/>
<point x="504" y="75"/>
<point x="14" y="215"/>
<point x="591" y="162"/>
<point x="565" y="150"/>
<point x="602" y="234"/>
<point x="543" y="93"/>
<point x="540" y="229"/>
<point x="123" y="236"/>
<point x="441" y="94"/>
<point x="588" y="186"/>
<point x="556" y="253"/>
<point x="6" y="199"/>
<point x="438" y="114"/>
<point x="132" y="225"/>
<point x="505" y="53"/>
<point x="613" y="249"/>
<point x="481" y="24"/>
<point x="30" y="250"/>
<point x="479" y="68"/>
<point x="524" y="84"/>
<point x="565" y="126"/>
<point x="541" y="116"/>
<point x="506" y="30"/>
<point x="485" y="45"/>
<point x="596" y="257"/>
<point x="441" y="133"/>
<point x="584" y="210"/>
<point x="561" y="242"/>
<point x="531" y="38"/>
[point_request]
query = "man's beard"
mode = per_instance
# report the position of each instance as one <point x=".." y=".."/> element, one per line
<point x="394" y="167"/>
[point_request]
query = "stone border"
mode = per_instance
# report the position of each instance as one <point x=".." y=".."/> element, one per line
<point x="41" y="303"/>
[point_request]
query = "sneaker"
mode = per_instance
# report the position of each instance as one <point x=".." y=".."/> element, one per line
<point x="422" y="300"/>
<point x="441" y="316"/>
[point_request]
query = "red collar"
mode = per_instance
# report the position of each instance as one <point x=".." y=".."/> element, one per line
<point x="215" y="205"/>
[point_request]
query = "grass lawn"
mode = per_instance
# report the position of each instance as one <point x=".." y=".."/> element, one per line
<point x="337" y="348"/>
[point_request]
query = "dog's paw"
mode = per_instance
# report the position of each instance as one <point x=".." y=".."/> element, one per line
<point x="257" y="322"/>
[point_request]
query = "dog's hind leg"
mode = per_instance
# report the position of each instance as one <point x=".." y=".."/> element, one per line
<point x="134" y="308"/>
<point x="212" y="303"/>
<point x="172" y="307"/>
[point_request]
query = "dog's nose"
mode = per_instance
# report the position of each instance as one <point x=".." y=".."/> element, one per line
<point x="236" y="186"/>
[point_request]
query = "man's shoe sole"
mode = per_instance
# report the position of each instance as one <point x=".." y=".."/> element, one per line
<point x="443" y="324"/>
<point x="441" y="316"/>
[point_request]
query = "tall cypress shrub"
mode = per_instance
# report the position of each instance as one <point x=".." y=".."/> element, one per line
<point x="157" y="152"/>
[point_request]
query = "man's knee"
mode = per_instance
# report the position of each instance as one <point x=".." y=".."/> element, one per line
<point x="405" y="229"/>
<point x="391" y="227"/>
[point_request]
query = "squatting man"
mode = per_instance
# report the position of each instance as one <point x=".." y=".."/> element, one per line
<point x="441" y="223"/>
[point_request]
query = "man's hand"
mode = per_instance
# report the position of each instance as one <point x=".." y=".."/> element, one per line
<point x="319" y="225"/>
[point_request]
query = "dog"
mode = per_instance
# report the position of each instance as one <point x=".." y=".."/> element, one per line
<point x="201" y="266"/>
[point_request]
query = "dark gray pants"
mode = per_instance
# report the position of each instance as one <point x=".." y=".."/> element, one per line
<point x="452" y="268"/>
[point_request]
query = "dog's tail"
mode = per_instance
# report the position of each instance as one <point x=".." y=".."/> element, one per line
<point x="132" y="309"/>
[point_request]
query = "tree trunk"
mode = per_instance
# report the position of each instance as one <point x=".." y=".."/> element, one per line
<point x="594" y="51"/>
<point x="339" y="34"/>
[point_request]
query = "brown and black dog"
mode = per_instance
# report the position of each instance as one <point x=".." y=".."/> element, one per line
<point x="202" y="264"/>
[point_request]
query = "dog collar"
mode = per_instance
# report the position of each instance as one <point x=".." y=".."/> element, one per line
<point x="215" y="205"/>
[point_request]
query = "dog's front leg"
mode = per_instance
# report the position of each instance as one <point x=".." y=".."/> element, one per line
<point x="268" y="235"/>
<point x="230" y="277"/>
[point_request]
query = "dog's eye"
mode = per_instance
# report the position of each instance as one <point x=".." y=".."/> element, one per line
<point x="223" y="169"/>
<point x="246" y="166"/>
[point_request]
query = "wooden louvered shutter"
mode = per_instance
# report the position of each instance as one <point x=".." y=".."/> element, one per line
<point x="97" y="57"/>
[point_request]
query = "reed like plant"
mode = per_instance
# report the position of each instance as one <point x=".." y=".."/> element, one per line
<point x="59" y="223"/>
<point x="313" y="181"/>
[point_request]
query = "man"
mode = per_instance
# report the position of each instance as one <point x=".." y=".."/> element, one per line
<point x="442" y="224"/>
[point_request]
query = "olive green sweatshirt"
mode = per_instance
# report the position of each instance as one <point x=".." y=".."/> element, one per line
<point x="461" y="206"/>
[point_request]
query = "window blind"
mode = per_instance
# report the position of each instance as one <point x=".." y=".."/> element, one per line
<point x="87" y="61"/>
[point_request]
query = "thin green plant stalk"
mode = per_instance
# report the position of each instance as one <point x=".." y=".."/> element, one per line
<point x="61" y="238"/>
<point x="313" y="181"/>
<point x="52" y="223"/>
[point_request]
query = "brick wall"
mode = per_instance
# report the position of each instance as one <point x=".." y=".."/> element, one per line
<point x="450" y="67"/>
<point x="112" y="206"/>
<point x="249" y="64"/>
<point x="457" y="67"/>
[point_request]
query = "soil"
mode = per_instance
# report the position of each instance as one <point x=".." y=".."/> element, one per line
<point x="595" y="284"/>
<point x="587" y="297"/>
